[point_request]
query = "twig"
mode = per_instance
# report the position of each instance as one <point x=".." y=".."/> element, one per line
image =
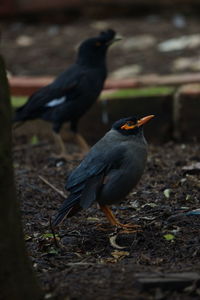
<point x="53" y="187"/>
<point x="53" y="233"/>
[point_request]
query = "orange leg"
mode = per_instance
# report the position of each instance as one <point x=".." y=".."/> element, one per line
<point x="81" y="142"/>
<point x="113" y="221"/>
<point x="63" y="153"/>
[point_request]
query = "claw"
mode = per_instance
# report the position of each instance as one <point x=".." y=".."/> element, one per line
<point x="129" y="231"/>
<point x="127" y="225"/>
<point x="128" y="228"/>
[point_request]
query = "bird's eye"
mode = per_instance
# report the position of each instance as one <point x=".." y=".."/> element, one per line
<point x="97" y="44"/>
<point x="128" y="125"/>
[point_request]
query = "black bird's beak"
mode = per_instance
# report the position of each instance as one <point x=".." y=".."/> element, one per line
<point x="115" y="39"/>
<point x="144" y="120"/>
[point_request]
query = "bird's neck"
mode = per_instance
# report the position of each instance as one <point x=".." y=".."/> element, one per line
<point x="92" y="62"/>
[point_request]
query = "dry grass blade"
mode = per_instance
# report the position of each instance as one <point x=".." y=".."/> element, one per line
<point x="53" y="233"/>
<point x="53" y="187"/>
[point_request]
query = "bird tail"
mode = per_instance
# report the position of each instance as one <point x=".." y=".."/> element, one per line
<point x="69" y="208"/>
<point x="18" y="117"/>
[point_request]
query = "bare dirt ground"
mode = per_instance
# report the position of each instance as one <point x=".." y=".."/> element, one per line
<point x="39" y="49"/>
<point x="86" y="265"/>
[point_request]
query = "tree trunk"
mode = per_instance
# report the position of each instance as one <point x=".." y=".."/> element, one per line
<point x="17" y="280"/>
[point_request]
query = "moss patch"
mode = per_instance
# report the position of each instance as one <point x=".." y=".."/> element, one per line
<point x="18" y="101"/>
<point x="140" y="92"/>
<point x="120" y="94"/>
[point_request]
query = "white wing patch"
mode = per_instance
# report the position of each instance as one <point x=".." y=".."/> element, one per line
<point x="56" y="102"/>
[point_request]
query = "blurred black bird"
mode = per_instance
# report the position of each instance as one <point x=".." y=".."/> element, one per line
<point x="109" y="171"/>
<point x="73" y="92"/>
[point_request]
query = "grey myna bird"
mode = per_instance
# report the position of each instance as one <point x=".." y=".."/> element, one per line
<point x="73" y="92"/>
<point x="110" y="170"/>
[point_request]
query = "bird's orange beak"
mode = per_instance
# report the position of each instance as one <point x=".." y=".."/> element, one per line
<point x="144" y="120"/>
<point x="138" y="124"/>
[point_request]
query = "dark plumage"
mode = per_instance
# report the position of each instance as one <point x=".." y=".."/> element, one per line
<point x="73" y="92"/>
<point x="110" y="170"/>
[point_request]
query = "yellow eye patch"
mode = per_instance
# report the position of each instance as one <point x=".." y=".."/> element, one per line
<point x="129" y="125"/>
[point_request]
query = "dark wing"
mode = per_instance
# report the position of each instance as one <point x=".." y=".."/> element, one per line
<point x="86" y="180"/>
<point x="41" y="100"/>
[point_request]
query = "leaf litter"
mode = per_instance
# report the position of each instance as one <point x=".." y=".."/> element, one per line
<point x="105" y="259"/>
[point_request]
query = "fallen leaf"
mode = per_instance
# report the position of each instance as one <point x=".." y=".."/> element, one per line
<point x="169" y="237"/>
<point x="34" y="140"/>
<point x="166" y="193"/>
<point x="49" y="296"/>
<point x="135" y="204"/>
<point x="192" y="168"/>
<point x="149" y="218"/>
<point x="93" y="219"/>
<point x="151" y="204"/>
<point x="49" y="236"/>
<point x="53" y="251"/>
<point x="111" y="260"/>
<point x="113" y="243"/>
<point x="27" y="237"/>
<point x="119" y="254"/>
<point x="188" y="197"/>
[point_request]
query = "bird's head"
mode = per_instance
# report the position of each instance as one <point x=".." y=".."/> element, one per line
<point x="131" y="125"/>
<point x="93" y="50"/>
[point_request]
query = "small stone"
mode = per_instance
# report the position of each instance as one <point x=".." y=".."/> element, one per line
<point x="186" y="63"/>
<point x="24" y="41"/>
<point x="140" y="42"/>
<point x="182" y="63"/>
<point x="100" y="25"/>
<point x="53" y="30"/>
<point x="180" y="43"/>
<point x="179" y="21"/>
<point x="126" y="72"/>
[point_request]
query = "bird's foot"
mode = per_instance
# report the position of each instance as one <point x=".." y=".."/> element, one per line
<point x="128" y="228"/>
<point x="104" y="227"/>
<point x="128" y="231"/>
<point x="121" y="228"/>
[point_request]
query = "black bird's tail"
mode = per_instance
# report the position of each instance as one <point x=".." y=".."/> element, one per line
<point x="69" y="208"/>
<point x="19" y="115"/>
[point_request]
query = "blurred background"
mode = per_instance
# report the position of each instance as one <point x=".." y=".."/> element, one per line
<point x="160" y="38"/>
